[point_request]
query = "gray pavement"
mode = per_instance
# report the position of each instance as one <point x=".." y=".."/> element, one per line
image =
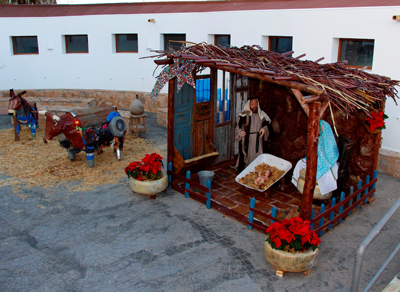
<point x="111" y="239"/>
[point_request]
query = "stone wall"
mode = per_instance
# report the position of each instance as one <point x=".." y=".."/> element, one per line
<point x="118" y="98"/>
<point x="389" y="163"/>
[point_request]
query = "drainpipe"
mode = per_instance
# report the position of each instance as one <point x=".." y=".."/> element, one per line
<point x="396" y="17"/>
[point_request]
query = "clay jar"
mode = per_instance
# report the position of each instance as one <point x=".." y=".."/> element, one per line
<point x="137" y="107"/>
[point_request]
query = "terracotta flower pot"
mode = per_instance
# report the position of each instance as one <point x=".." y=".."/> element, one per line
<point x="149" y="187"/>
<point x="284" y="261"/>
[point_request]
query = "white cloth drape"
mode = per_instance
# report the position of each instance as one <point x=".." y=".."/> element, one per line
<point x="326" y="183"/>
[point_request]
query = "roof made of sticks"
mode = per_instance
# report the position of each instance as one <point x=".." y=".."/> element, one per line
<point x="346" y="88"/>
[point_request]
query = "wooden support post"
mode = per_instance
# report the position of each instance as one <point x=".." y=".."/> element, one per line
<point x="171" y="112"/>
<point x="312" y="157"/>
<point x="378" y="142"/>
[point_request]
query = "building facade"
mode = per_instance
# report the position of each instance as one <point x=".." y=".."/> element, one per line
<point x="84" y="47"/>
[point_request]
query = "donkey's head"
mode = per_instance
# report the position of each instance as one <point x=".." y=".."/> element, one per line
<point x="15" y="103"/>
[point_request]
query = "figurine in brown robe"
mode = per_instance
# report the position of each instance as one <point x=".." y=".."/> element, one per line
<point x="251" y="132"/>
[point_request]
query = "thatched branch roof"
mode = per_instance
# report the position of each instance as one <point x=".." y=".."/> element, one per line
<point x="347" y="89"/>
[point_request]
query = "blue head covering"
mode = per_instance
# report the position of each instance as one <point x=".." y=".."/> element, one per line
<point x="328" y="152"/>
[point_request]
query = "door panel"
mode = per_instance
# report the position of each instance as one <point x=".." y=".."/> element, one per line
<point x="202" y="131"/>
<point x="203" y="114"/>
<point x="183" y="118"/>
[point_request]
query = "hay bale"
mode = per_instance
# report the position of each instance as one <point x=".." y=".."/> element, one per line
<point x="38" y="164"/>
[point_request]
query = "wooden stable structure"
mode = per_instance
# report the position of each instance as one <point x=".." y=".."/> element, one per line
<point x="295" y="94"/>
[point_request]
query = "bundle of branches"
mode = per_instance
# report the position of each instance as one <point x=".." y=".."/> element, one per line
<point x="346" y="88"/>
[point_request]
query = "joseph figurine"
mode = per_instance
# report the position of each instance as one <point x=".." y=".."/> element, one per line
<point x="251" y="132"/>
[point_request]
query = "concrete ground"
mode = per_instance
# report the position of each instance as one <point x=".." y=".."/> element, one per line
<point x="111" y="239"/>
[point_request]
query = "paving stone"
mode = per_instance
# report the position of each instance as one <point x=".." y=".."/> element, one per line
<point x="110" y="239"/>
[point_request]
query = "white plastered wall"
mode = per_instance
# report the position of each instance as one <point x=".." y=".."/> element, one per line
<point x="315" y="32"/>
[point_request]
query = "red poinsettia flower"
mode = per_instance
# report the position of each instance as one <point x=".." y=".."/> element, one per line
<point x="293" y="234"/>
<point x="376" y="120"/>
<point x="149" y="168"/>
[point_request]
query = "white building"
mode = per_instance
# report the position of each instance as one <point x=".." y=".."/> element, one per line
<point x="329" y="29"/>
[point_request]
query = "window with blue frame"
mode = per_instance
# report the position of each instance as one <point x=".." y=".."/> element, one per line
<point x="223" y="104"/>
<point x="203" y="93"/>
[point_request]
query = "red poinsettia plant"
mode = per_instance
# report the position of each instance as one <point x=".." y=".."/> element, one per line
<point x="149" y="168"/>
<point x="292" y="235"/>
<point x="376" y="121"/>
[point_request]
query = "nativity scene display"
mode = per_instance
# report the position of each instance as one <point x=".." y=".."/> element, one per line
<point x="321" y="122"/>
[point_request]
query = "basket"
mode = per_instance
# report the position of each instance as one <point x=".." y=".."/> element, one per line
<point x="269" y="159"/>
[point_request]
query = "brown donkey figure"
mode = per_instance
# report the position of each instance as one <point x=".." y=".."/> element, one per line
<point x="23" y="114"/>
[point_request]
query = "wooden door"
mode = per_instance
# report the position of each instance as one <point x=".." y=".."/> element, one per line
<point x="203" y="114"/>
<point x="183" y="118"/>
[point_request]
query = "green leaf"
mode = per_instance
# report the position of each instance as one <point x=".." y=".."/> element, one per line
<point x="297" y="245"/>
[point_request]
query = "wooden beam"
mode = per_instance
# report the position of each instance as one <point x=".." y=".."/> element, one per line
<point x="300" y="98"/>
<point x="301" y="56"/>
<point x="312" y="98"/>
<point x="171" y="113"/>
<point x="231" y="68"/>
<point x="287" y="53"/>
<point x="291" y="84"/>
<point x="261" y="71"/>
<point x="324" y="106"/>
<point x="312" y="158"/>
<point x="164" y="62"/>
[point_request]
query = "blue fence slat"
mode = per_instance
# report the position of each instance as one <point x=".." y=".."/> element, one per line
<point x="366" y="190"/>
<point x="375" y="175"/>
<point x="169" y="176"/>
<point x="341" y="207"/>
<point x="208" y="204"/>
<point x="251" y="213"/>
<point x="219" y="98"/>
<point x="273" y="213"/>
<point x="312" y="217"/>
<point x="351" y="201"/>
<point x="359" y="195"/>
<point x="321" y="221"/>
<point x="187" y="186"/>
<point x="332" y="214"/>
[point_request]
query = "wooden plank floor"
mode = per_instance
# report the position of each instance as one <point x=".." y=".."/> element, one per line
<point x="226" y="191"/>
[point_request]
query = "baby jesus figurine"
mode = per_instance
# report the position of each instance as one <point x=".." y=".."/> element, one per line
<point x="261" y="179"/>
